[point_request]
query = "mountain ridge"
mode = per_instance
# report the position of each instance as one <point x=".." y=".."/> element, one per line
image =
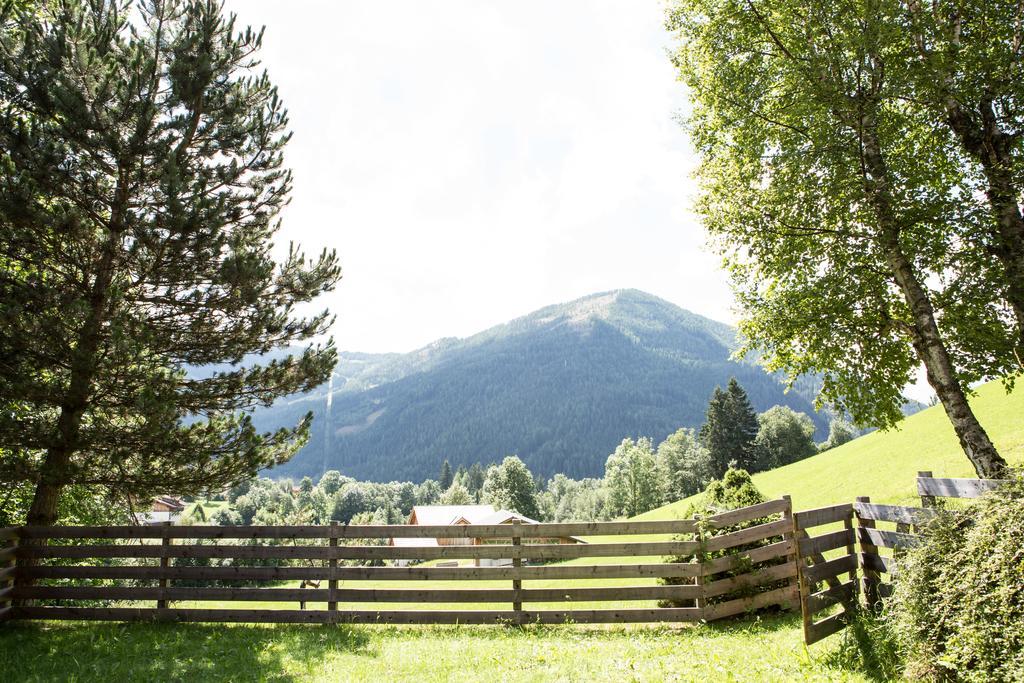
<point x="560" y="387"/>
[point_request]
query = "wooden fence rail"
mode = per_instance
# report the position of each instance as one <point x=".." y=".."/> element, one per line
<point x="709" y="571"/>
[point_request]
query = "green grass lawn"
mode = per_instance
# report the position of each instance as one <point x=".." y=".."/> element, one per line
<point x="768" y="649"/>
<point x="881" y="465"/>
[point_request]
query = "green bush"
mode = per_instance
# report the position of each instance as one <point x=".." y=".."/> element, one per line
<point x="735" y="490"/>
<point x="957" y="612"/>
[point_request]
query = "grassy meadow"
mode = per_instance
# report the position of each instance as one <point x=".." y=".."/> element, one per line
<point x="767" y="649"/>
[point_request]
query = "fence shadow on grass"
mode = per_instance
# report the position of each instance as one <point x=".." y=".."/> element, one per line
<point x="177" y="652"/>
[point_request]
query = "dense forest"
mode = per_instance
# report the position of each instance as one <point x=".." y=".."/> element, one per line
<point x="637" y="476"/>
<point x="559" y="387"/>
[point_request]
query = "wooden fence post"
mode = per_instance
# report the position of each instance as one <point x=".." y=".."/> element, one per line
<point x="805" y="615"/>
<point x="870" y="578"/>
<point x="701" y="602"/>
<point x="926" y="501"/>
<point x="165" y="562"/>
<point x="795" y="555"/>
<point x="7" y="567"/>
<point x="517" y="585"/>
<point x="332" y="583"/>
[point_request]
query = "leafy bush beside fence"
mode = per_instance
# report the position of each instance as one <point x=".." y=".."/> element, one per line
<point x="958" y="608"/>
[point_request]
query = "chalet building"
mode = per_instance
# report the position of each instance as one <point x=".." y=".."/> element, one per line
<point x="161" y="509"/>
<point x="445" y="515"/>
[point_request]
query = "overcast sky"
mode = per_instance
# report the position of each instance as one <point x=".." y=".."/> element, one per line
<point x="473" y="161"/>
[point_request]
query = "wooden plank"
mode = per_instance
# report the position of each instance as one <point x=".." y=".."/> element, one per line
<point x="6" y="613"/>
<point x="894" y="513"/>
<point x="756" y="577"/>
<point x="353" y="531"/>
<point x="877" y="563"/>
<point x="8" y="573"/>
<point x="749" y="535"/>
<point x="6" y="593"/>
<point x="371" y="552"/>
<point x="746" y="514"/>
<point x="9" y="532"/>
<point x="816" y="545"/>
<point x="957" y="488"/>
<point x="403" y="595"/>
<point x="885" y="590"/>
<point x="807" y="519"/>
<point x="843" y="593"/>
<point x="821" y="571"/>
<point x="826" y="627"/>
<point x="173" y="594"/>
<point x="786" y="596"/>
<point x="629" y="571"/>
<point x="8" y="554"/>
<point x="888" y="539"/>
<point x="361" y="617"/>
<point x="753" y="556"/>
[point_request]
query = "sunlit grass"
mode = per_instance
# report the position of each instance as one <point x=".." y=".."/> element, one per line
<point x="768" y="649"/>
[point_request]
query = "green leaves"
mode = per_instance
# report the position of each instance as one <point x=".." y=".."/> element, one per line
<point x="143" y="159"/>
<point x="790" y="101"/>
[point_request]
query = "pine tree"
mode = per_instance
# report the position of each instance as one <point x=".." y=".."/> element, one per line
<point x="729" y="430"/>
<point x="446" y="478"/>
<point x="475" y="479"/>
<point x="141" y="178"/>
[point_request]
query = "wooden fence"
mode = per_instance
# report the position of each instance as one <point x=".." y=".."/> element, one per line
<point x="909" y="525"/>
<point x="860" y="541"/>
<point x="111" y="573"/>
<point x="821" y="583"/>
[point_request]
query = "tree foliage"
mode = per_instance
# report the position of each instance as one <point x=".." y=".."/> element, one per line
<point x="510" y="486"/>
<point x="684" y="465"/>
<point x="141" y="175"/>
<point x="846" y="215"/>
<point x="729" y="430"/>
<point x="783" y="436"/>
<point x="446" y="478"/>
<point x="632" y="477"/>
<point x="839" y="432"/>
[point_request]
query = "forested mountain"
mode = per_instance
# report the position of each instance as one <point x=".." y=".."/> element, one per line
<point x="560" y="387"/>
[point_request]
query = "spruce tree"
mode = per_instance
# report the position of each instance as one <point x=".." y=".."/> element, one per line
<point x="446" y="478"/>
<point x="729" y="430"/>
<point x="141" y="177"/>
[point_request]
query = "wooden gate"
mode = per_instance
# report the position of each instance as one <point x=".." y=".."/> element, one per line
<point x="110" y="573"/>
<point x="863" y="547"/>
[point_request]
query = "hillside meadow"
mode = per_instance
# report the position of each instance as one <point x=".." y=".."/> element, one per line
<point x="770" y="648"/>
<point x="884" y="465"/>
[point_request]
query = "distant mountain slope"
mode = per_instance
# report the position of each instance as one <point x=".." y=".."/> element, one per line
<point x="559" y="387"/>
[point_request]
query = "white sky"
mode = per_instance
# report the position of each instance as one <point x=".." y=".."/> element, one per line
<point x="472" y="161"/>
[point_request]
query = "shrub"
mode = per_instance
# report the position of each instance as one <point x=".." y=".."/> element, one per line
<point x="958" y="608"/>
<point x="735" y="490"/>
